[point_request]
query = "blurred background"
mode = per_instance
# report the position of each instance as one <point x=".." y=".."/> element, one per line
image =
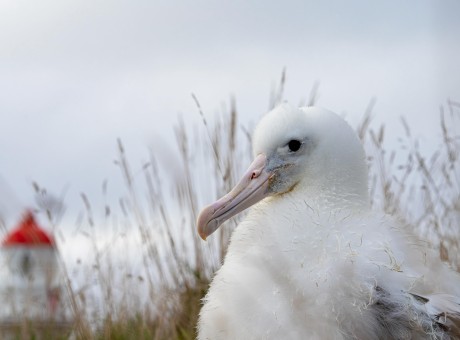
<point x="95" y="94"/>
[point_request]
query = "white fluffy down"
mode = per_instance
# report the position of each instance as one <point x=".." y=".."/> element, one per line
<point x="316" y="262"/>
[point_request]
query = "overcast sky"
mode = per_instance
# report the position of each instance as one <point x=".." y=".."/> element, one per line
<point x="75" y="75"/>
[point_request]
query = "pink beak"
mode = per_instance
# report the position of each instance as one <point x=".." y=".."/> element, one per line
<point x="252" y="188"/>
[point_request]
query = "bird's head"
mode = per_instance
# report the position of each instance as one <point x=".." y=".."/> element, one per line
<point x="307" y="152"/>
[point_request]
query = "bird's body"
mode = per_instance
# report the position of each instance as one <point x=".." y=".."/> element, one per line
<point x="312" y="260"/>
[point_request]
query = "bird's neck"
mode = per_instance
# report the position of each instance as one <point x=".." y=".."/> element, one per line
<point x="332" y="195"/>
<point x="309" y="213"/>
<point x="304" y="209"/>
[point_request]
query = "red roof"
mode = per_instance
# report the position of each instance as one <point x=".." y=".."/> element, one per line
<point x="28" y="233"/>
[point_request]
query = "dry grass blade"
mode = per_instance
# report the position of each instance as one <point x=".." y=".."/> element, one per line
<point x="277" y="93"/>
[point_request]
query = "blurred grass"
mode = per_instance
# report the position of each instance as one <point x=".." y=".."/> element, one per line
<point x="160" y="297"/>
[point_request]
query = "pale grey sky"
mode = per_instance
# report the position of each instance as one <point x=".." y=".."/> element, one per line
<point x="75" y="75"/>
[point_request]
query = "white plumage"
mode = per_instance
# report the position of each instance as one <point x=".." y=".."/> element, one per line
<point x="311" y="260"/>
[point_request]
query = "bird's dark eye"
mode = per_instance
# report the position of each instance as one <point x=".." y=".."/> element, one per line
<point x="294" y="145"/>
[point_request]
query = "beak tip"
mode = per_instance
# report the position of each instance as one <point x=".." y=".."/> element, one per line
<point x="201" y="225"/>
<point x="203" y="235"/>
<point x="205" y="223"/>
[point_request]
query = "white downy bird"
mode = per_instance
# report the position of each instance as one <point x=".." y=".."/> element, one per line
<point x="311" y="260"/>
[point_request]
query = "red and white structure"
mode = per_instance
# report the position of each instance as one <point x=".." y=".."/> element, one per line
<point x="32" y="282"/>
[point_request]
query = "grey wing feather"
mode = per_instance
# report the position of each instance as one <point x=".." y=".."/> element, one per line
<point x="445" y="310"/>
<point x="410" y="316"/>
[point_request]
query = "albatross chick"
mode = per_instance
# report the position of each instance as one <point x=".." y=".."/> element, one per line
<point x="311" y="260"/>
